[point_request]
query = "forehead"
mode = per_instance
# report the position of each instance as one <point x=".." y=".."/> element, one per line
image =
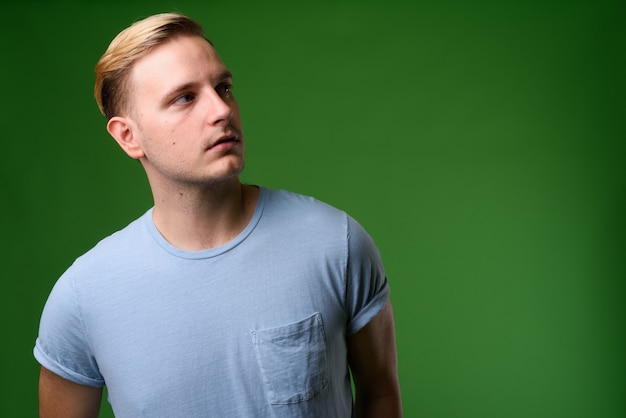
<point x="183" y="59"/>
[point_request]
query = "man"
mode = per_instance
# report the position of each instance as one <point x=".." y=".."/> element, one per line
<point x="224" y="299"/>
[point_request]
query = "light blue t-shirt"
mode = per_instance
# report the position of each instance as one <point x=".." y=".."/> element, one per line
<point x="253" y="328"/>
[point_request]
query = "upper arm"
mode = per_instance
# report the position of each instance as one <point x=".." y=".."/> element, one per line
<point x="373" y="362"/>
<point x="61" y="398"/>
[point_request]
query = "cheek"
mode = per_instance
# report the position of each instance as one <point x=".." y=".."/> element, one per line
<point x="236" y="119"/>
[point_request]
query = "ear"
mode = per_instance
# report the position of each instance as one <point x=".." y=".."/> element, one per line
<point x="122" y="130"/>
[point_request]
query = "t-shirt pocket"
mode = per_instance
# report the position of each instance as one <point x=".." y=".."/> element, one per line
<point x="292" y="359"/>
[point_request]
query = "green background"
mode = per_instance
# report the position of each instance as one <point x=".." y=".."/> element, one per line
<point x="480" y="143"/>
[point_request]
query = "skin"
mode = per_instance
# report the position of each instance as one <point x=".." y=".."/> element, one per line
<point x="185" y="129"/>
<point x="374" y="365"/>
<point x="182" y="108"/>
<point x="61" y="398"/>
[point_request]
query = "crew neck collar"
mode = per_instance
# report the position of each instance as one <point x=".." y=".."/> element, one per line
<point x="211" y="252"/>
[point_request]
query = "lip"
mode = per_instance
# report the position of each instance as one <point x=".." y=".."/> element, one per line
<point x="226" y="141"/>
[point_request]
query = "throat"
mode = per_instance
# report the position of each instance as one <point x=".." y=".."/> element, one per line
<point x="200" y="226"/>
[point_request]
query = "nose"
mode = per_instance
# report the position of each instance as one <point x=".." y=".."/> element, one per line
<point x="219" y="110"/>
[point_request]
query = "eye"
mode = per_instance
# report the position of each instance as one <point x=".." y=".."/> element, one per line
<point x="225" y="90"/>
<point x="185" y="98"/>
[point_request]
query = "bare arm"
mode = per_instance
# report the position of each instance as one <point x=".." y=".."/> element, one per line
<point x="60" y="398"/>
<point x="374" y="365"/>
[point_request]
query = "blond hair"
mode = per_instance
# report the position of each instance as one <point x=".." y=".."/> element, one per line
<point x="134" y="42"/>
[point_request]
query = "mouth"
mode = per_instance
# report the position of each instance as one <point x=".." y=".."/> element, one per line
<point x="226" y="139"/>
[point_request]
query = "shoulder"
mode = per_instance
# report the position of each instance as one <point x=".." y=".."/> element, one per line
<point x="298" y="221"/>
<point x="116" y="248"/>
<point x="304" y="208"/>
<point x="296" y="212"/>
<point x="112" y="260"/>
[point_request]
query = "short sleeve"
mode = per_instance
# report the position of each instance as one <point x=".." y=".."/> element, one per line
<point x="62" y="345"/>
<point x="367" y="289"/>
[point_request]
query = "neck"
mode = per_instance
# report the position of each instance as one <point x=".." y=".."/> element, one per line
<point x="198" y="218"/>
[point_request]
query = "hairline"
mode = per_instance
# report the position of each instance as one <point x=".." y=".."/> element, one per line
<point x="130" y="45"/>
<point x="126" y="84"/>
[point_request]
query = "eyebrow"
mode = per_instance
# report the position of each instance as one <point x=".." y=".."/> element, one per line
<point x="191" y="85"/>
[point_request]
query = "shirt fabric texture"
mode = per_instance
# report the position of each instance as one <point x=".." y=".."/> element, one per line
<point x="254" y="328"/>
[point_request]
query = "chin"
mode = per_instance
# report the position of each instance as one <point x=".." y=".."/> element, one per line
<point x="220" y="178"/>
